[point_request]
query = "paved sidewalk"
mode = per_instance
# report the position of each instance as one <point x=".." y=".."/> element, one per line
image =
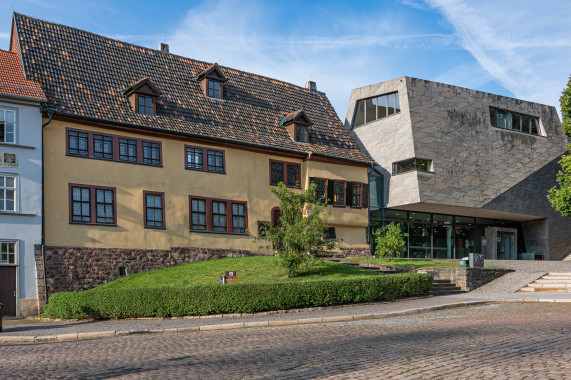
<point x="501" y="290"/>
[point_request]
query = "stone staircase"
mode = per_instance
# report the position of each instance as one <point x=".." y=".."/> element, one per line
<point x="551" y="282"/>
<point x="369" y="267"/>
<point x="442" y="287"/>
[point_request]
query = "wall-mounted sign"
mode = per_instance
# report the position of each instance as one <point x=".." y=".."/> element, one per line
<point x="8" y="160"/>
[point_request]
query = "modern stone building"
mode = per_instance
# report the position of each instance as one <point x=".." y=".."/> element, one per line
<point x="462" y="170"/>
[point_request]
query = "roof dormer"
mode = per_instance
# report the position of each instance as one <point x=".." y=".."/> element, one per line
<point x="297" y="124"/>
<point x="212" y="81"/>
<point x="143" y="96"/>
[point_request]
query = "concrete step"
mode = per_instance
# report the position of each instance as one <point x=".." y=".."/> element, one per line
<point x="444" y="292"/>
<point x="551" y="282"/>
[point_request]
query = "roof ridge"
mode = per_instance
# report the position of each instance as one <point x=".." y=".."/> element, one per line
<point x="159" y="51"/>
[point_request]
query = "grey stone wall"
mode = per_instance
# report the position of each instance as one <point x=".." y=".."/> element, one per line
<point x="75" y="269"/>
<point x="468" y="279"/>
<point x="478" y="170"/>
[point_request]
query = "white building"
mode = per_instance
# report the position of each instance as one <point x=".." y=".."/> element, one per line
<point x="20" y="187"/>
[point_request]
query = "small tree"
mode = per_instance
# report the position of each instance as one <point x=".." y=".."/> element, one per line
<point x="560" y="197"/>
<point x="390" y="241"/>
<point x="300" y="235"/>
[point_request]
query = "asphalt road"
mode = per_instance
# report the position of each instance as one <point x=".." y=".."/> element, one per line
<point x="515" y="340"/>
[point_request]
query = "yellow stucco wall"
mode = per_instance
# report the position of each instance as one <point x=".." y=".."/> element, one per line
<point x="246" y="179"/>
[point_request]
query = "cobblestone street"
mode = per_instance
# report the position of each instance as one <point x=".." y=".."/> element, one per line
<point x="492" y="341"/>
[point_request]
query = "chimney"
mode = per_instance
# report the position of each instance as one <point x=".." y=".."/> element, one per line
<point x="311" y="86"/>
<point x="164" y="47"/>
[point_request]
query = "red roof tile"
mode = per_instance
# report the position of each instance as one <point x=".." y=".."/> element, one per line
<point x="84" y="75"/>
<point x="12" y="80"/>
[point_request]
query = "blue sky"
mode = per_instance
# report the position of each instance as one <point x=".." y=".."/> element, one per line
<point x="514" y="48"/>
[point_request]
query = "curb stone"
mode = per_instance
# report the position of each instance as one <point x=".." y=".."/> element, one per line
<point x="241" y="325"/>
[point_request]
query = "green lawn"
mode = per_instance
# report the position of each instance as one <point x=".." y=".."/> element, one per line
<point x="257" y="269"/>
<point x="412" y="263"/>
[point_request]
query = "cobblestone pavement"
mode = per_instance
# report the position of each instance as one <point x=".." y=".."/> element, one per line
<point x="516" y="340"/>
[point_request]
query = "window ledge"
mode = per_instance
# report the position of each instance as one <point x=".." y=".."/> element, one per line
<point x="94" y="224"/>
<point x="155" y="228"/>
<point x="112" y="160"/>
<point x="220" y="233"/>
<point x="415" y="171"/>
<point x="291" y="187"/>
<point x="518" y="132"/>
<point x="8" y="145"/>
<point x="205" y="171"/>
<point x="16" y="213"/>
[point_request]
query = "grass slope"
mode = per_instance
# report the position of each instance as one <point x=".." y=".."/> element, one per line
<point x="250" y="270"/>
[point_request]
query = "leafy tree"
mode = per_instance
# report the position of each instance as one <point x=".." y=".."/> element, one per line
<point x="560" y="196"/>
<point x="390" y="240"/>
<point x="300" y="234"/>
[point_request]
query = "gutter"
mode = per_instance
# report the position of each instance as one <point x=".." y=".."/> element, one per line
<point x="50" y="112"/>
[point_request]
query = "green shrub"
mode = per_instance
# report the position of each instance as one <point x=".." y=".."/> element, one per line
<point x="240" y="298"/>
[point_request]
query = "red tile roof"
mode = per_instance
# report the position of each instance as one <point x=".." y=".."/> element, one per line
<point x="12" y="80"/>
<point x="85" y="75"/>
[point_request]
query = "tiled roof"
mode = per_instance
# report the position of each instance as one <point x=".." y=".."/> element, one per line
<point x="84" y="75"/>
<point x="12" y="80"/>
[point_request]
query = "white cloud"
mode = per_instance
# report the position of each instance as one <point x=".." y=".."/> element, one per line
<point x="4" y="36"/>
<point x="339" y="56"/>
<point x="524" y="44"/>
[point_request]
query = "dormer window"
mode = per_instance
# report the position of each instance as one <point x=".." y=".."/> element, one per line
<point x="214" y="89"/>
<point x="143" y="97"/>
<point x="145" y="105"/>
<point x="297" y="124"/>
<point x="212" y="81"/>
<point x="301" y="133"/>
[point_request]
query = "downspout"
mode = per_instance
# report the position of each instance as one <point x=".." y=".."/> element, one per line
<point x="50" y="112"/>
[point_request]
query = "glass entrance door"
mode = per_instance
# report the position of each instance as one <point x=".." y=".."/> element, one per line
<point x="506" y="246"/>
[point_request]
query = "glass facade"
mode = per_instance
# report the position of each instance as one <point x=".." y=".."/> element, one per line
<point x="442" y="236"/>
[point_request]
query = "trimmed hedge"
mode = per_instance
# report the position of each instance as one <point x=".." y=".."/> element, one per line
<point x="236" y="298"/>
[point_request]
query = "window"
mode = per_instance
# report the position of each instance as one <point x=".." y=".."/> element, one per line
<point x="198" y="212"/>
<point x="263" y="227"/>
<point x="215" y="161"/>
<point x="412" y="164"/>
<point x="239" y="218"/>
<point x="7" y="252"/>
<point x="7" y="193"/>
<point x="103" y="146"/>
<point x="330" y="233"/>
<point x="128" y="150"/>
<point x="368" y="110"/>
<point x="301" y="133"/>
<point x="154" y="209"/>
<point x="339" y="193"/>
<point x="91" y="204"/>
<point x="355" y="194"/>
<point x="77" y="143"/>
<point x="214" y="89"/>
<point x="151" y="153"/>
<point x="218" y="215"/>
<point x="287" y="172"/>
<point x="7" y="126"/>
<point x="113" y="148"/>
<point x="208" y="160"/>
<point x="145" y="105"/>
<point x="193" y="158"/>
<point x="514" y="121"/>
<point x="321" y="189"/>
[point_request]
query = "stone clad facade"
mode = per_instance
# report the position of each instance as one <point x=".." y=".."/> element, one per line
<point x="478" y="170"/>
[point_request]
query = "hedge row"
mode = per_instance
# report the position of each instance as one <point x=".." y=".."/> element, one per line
<point x="234" y="298"/>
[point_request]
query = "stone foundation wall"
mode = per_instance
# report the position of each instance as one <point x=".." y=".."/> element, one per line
<point x="354" y="252"/>
<point x="75" y="269"/>
<point x="468" y="279"/>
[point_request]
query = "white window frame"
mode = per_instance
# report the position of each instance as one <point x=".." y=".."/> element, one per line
<point x="16" y="190"/>
<point x="15" y="111"/>
<point x="16" y="252"/>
